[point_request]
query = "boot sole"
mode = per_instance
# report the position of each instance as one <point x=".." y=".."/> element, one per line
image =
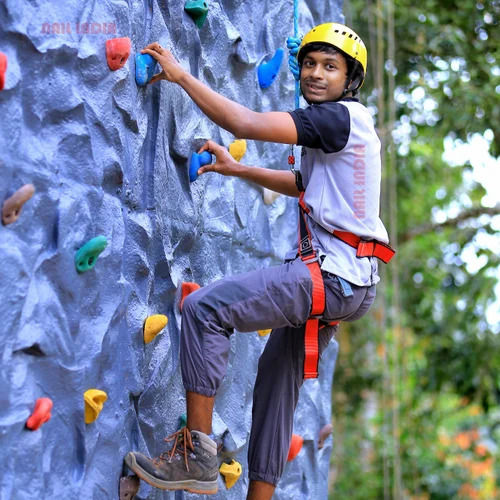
<point x="191" y="485"/>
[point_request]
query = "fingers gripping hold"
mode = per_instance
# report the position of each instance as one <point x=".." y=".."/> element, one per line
<point x="224" y="163"/>
<point x="211" y="147"/>
<point x="154" y="47"/>
<point x="172" y="70"/>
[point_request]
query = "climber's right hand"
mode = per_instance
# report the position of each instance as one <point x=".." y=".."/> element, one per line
<point x="224" y="163"/>
<point x="293" y="45"/>
<point x="172" y="70"/>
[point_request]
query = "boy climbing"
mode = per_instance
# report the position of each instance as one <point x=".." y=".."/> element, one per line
<point x="329" y="277"/>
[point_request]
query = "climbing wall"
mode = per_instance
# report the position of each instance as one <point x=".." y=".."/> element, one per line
<point x="108" y="158"/>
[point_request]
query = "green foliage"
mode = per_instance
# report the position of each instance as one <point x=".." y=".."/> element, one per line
<point x="417" y="384"/>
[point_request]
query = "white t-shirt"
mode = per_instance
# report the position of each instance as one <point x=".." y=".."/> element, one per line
<point x="341" y="174"/>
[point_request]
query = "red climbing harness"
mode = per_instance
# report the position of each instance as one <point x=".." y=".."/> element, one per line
<point x="365" y="248"/>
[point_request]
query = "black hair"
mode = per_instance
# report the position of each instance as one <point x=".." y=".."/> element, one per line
<point x="355" y="73"/>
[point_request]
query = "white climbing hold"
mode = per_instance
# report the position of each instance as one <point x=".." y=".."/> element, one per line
<point x="269" y="196"/>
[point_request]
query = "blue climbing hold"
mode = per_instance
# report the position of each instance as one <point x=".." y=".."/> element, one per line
<point x="197" y="161"/>
<point x="268" y="71"/>
<point x="145" y="66"/>
<point x="86" y="257"/>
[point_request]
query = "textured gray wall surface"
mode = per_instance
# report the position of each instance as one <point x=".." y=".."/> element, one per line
<point x="110" y="158"/>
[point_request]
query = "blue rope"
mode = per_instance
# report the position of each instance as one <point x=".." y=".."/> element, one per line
<point x="296" y="34"/>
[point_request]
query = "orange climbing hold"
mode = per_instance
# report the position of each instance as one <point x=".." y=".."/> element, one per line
<point x="12" y="206"/>
<point x="153" y="326"/>
<point x="41" y="414"/>
<point x="117" y="52"/>
<point x="187" y="288"/>
<point x="295" y="446"/>
<point x="3" y="69"/>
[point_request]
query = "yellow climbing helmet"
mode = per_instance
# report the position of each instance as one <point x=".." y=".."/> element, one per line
<point x="339" y="36"/>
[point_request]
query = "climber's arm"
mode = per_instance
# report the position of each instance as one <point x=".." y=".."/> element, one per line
<point x="230" y="115"/>
<point x="281" y="181"/>
<point x="274" y="126"/>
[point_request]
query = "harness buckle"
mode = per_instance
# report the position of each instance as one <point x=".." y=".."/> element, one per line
<point x="375" y="248"/>
<point x="310" y="260"/>
<point x="365" y="248"/>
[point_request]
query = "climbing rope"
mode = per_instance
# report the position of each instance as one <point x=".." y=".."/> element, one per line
<point x="291" y="157"/>
<point x="296" y="35"/>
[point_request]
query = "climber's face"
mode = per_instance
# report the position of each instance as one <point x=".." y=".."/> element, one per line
<point x="323" y="76"/>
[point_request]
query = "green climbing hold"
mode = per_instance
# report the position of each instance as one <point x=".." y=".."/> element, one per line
<point x="182" y="421"/>
<point x="198" y="10"/>
<point x="86" y="257"/>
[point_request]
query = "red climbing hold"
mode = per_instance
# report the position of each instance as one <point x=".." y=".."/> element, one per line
<point x="117" y="52"/>
<point x="3" y="69"/>
<point x="187" y="288"/>
<point x="41" y="414"/>
<point x="295" y="446"/>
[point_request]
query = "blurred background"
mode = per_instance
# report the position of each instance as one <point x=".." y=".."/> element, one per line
<point x="416" y="397"/>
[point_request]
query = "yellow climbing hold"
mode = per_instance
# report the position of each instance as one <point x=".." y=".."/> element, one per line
<point x="153" y="326"/>
<point x="238" y="148"/>
<point x="231" y="473"/>
<point x="263" y="333"/>
<point x="94" y="400"/>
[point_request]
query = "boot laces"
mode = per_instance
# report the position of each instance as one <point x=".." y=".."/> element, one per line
<point x="182" y="442"/>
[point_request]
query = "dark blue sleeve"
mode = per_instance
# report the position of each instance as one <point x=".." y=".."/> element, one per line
<point x="324" y="126"/>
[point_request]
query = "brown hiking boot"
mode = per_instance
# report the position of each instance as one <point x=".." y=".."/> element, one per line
<point x="190" y="465"/>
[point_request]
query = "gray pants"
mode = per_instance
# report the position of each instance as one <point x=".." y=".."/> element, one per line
<point x="279" y="298"/>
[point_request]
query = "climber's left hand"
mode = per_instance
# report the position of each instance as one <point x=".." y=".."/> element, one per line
<point x="224" y="163"/>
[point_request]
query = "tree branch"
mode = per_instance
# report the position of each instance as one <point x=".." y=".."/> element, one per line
<point x="430" y="227"/>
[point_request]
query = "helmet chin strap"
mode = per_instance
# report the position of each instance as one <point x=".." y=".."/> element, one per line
<point x="348" y="90"/>
<point x="351" y="85"/>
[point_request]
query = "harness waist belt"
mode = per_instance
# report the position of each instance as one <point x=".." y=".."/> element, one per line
<point x="366" y="248"/>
